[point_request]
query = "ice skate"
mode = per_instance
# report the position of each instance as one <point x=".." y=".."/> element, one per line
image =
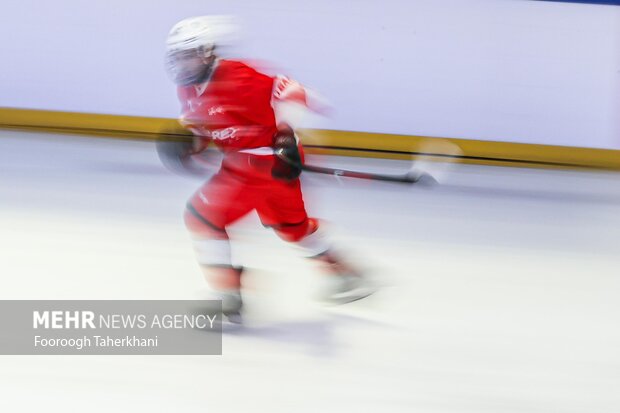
<point x="231" y="307"/>
<point x="346" y="288"/>
<point x="343" y="283"/>
<point x="225" y="288"/>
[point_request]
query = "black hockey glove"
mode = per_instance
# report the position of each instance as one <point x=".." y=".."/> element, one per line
<point x="175" y="147"/>
<point x="287" y="164"/>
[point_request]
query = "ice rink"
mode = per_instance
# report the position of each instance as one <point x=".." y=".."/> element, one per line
<point x="500" y="288"/>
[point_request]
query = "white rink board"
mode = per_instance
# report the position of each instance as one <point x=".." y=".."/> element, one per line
<point x="500" y="289"/>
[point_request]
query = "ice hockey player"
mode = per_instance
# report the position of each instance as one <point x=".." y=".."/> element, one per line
<point x="236" y="107"/>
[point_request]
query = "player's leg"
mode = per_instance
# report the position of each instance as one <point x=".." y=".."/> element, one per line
<point x="284" y="211"/>
<point x="213" y="207"/>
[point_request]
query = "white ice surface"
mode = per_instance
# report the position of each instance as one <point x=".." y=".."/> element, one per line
<point x="500" y="288"/>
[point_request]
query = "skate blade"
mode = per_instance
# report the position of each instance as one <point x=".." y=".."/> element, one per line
<point x="348" y="296"/>
<point x="233" y="318"/>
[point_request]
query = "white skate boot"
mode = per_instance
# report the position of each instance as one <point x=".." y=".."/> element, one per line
<point x="225" y="287"/>
<point x="343" y="283"/>
<point x="231" y="305"/>
<point x="346" y="288"/>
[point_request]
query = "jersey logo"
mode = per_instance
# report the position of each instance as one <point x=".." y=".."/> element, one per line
<point x="215" y="110"/>
<point x="224" y="134"/>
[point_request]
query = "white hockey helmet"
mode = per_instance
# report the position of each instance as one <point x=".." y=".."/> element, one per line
<point x="191" y="44"/>
<point x="203" y="31"/>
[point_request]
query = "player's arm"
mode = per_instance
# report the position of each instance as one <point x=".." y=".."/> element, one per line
<point x="291" y="104"/>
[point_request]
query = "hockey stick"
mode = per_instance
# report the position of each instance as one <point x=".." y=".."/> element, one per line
<point x="411" y="177"/>
<point x="423" y="169"/>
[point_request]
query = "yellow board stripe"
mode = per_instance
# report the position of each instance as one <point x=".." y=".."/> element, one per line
<point x="346" y="143"/>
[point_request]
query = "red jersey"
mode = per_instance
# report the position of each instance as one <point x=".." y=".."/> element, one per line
<point x="235" y="109"/>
